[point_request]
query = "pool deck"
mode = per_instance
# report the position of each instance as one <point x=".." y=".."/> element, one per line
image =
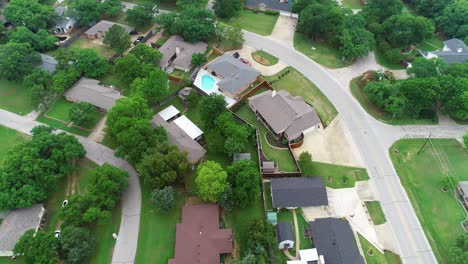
<point x="198" y="83"/>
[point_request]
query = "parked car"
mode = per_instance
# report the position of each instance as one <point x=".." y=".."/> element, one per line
<point x="236" y="55"/>
<point x="57" y="233"/>
<point x="138" y="40"/>
<point x="246" y="61"/>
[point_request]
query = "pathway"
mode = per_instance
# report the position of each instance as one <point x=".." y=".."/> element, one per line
<point x="284" y="29"/>
<point x="99" y="132"/>
<point x="126" y="245"/>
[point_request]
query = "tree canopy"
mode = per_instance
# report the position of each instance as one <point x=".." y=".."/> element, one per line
<point x="164" y="199"/>
<point x="40" y="82"/>
<point x="146" y="54"/>
<point x="76" y="244"/>
<point x="31" y="14"/>
<point x="313" y="17"/>
<point x="154" y="87"/>
<point x="236" y="135"/>
<point x="141" y="15"/>
<point x="355" y="40"/>
<point x="82" y="113"/>
<point x="458" y="254"/>
<point x="211" y="181"/>
<point x="244" y="178"/>
<point x="227" y="8"/>
<point x="17" y="60"/>
<point x="211" y="107"/>
<point x="37" y="248"/>
<point x="85" y="11"/>
<point x="379" y="11"/>
<point x="117" y="38"/>
<point x="191" y="3"/>
<point x="40" y="41"/>
<point x="454" y="20"/>
<point x="198" y="59"/>
<point x="87" y="62"/>
<point x="424" y="68"/>
<point x="401" y="31"/>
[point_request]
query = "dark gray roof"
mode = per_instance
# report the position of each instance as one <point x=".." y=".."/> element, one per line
<point x="464" y="186"/>
<point x="89" y="90"/>
<point x="48" y="63"/>
<point x="284" y="231"/>
<point x="298" y="192"/>
<point x="270" y="4"/>
<point x="235" y="74"/>
<point x="284" y="112"/>
<point x="176" y="136"/>
<point x="61" y="10"/>
<point x="451" y="57"/>
<point x="456" y="44"/>
<point x="335" y="240"/>
<point x="186" y="49"/>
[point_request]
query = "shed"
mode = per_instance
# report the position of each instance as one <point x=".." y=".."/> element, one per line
<point x="169" y="112"/>
<point x="188" y="127"/>
<point x="284" y="232"/>
<point x="268" y="166"/>
<point x="240" y="156"/>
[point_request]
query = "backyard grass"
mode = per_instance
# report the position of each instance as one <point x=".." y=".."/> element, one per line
<point x="114" y="80"/>
<point x="287" y="216"/>
<point x="379" y="57"/>
<point x="264" y="58"/>
<point x="156" y="238"/>
<point x="353" y="4"/>
<point x="8" y="260"/>
<point x="259" y="23"/>
<point x="320" y="52"/>
<point x="9" y="138"/>
<point x="267" y="195"/>
<point x="333" y="175"/>
<point x="383" y="116"/>
<point x="297" y="84"/>
<point x="439" y="213"/>
<point x="378" y="258"/>
<point x="84" y="43"/>
<point x="434" y="43"/>
<point x="15" y="97"/>
<point x="375" y="212"/>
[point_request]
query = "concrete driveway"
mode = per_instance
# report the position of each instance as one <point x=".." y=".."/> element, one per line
<point x="284" y="30"/>
<point x="246" y="53"/>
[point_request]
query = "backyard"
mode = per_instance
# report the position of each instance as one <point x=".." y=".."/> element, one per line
<point x="9" y="138"/>
<point x="439" y="213"/>
<point x="335" y="176"/>
<point x="373" y="110"/>
<point x="375" y="212"/>
<point x="15" y="97"/>
<point x="256" y="22"/>
<point x="387" y="257"/>
<point x="287" y="216"/>
<point x="84" y="43"/>
<point x="297" y="84"/>
<point x="320" y="52"/>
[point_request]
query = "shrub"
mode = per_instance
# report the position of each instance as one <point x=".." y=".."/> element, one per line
<point x="393" y="55"/>
<point x="272" y="13"/>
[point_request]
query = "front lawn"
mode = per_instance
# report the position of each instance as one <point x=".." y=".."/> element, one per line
<point x="297" y="84"/>
<point x="256" y="22"/>
<point x="60" y="110"/>
<point x="335" y="176"/>
<point x="84" y="43"/>
<point x="377" y="258"/>
<point x="264" y="58"/>
<point x="439" y="213"/>
<point x="371" y="109"/>
<point x="15" y="97"/>
<point x="353" y="4"/>
<point x="375" y="212"/>
<point x="9" y="138"/>
<point x="319" y="52"/>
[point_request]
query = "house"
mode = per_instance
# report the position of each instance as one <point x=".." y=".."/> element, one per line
<point x="199" y="238"/>
<point x="284" y="232"/>
<point x="64" y="24"/>
<point x="462" y="190"/>
<point x="99" y="30"/>
<point x="90" y="91"/>
<point x="274" y="5"/>
<point x="285" y="115"/>
<point x="298" y="192"/>
<point x="307" y="256"/>
<point x="454" y="51"/>
<point x="15" y="224"/>
<point x="179" y="137"/>
<point x="335" y="241"/>
<point x="234" y="76"/>
<point x="47" y="63"/>
<point x="177" y="53"/>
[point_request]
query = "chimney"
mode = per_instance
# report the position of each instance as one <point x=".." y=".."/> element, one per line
<point x="460" y="50"/>
<point x="273" y="93"/>
<point x="177" y="51"/>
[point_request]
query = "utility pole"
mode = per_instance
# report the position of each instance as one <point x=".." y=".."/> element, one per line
<point x="425" y="143"/>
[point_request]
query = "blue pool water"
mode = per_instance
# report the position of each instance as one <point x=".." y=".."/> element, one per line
<point x="208" y="83"/>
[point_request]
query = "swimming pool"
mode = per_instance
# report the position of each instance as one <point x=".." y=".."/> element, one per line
<point x="207" y="83"/>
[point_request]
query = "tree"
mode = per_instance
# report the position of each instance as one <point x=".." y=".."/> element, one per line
<point x="125" y="110"/>
<point x="37" y="247"/>
<point x="81" y="113"/>
<point x="305" y="161"/>
<point x="198" y="59"/>
<point x="465" y="140"/>
<point x="146" y="54"/>
<point x="355" y="40"/>
<point x="87" y="62"/>
<point x="425" y="68"/>
<point x="118" y="39"/>
<point x="385" y="97"/>
<point x="312" y="17"/>
<point x="163" y="166"/>
<point x="230" y="37"/>
<point x="85" y="11"/>
<point x="458" y="254"/>
<point x="244" y="178"/>
<point x="261" y="238"/>
<point x="404" y="30"/>
<point x="211" y="107"/>
<point x="130" y="67"/>
<point x="226" y="199"/>
<point x="40" y="41"/>
<point x="454" y="99"/>
<point x="153" y="88"/>
<point x="454" y="20"/>
<point x="227" y="8"/>
<point x="248" y="259"/>
<point x="211" y="181"/>
<point x="191" y="4"/>
<point x="420" y="95"/>
<point x="379" y="11"/>
<point x="17" y="60"/>
<point x="111" y="8"/>
<point x="40" y="82"/>
<point x="431" y="8"/>
<point x="141" y="15"/>
<point x="458" y="70"/>
<point x="165" y="199"/>
<point x="236" y="135"/>
<point x="393" y="55"/>
<point x="30" y="13"/>
<point x="63" y="80"/>
<point x="76" y="244"/>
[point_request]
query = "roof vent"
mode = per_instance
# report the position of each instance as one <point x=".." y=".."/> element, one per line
<point x="460" y="50"/>
<point x="273" y="93"/>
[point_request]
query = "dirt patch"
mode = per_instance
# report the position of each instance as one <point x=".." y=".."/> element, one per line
<point x="258" y="58"/>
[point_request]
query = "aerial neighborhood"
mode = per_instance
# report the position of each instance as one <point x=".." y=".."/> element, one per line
<point x="234" y="131"/>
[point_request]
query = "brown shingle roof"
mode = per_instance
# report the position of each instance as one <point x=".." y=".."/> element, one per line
<point x="186" y="49"/>
<point x="89" y="90"/>
<point x="199" y="240"/>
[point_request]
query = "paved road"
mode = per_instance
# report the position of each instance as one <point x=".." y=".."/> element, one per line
<point x="373" y="140"/>
<point x="126" y="245"/>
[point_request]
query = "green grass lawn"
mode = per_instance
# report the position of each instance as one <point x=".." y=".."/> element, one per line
<point x="375" y="212"/>
<point x="264" y="58"/>
<point x="109" y="142"/>
<point x="84" y="43"/>
<point x="434" y="43"/>
<point x="379" y="57"/>
<point x="60" y="110"/>
<point x="259" y="23"/>
<point x="333" y="175"/>
<point x="15" y="97"/>
<point x="8" y="260"/>
<point x="297" y="84"/>
<point x="353" y="4"/>
<point x="320" y="52"/>
<point x="156" y="240"/>
<point x="383" y="116"/>
<point x="9" y="138"/>
<point x="267" y="194"/>
<point x="287" y="216"/>
<point x="439" y="213"/>
<point x="378" y="258"/>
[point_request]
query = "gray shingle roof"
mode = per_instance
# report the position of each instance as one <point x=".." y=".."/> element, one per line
<point x="298" y="192"/>
<point x="335" y="240"/>
<point x="184" y="59"/>
<point x="270" y="4"/>
<point x="176" y="136"/>
<point x="89" y="90"/>
<point x="104" y="25"/>
<point x="284" y="113"/>
<point x="16" y="223"/>
<point x="235" y="74"/>
<point x="455" y="44"/>
<point x="464" y="186"/>
<point x="451" y="57"/>
<point x="284" y="231"/>
<point x="48" y="63"/>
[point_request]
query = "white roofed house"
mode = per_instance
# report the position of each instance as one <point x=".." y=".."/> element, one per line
<point x="64" y="23"/>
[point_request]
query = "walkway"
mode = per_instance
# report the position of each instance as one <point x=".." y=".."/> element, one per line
<point x="126" y="245"/>
<point x="284" y="30"/>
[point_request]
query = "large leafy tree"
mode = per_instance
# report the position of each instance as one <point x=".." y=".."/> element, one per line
<point x="37" y="247"/>
<point x="164" y="199"/>
<point x="63" y="80"/>
<point x="85" y="11"/>
<point x="455" y="96"/>
<point x="454" y="20"/>
<point x="76" y="244"/>
<point x="40" y="41"/>
<point x="261" y="239"/>
<point x="229" y="36"/>
<point x="40" y="82"/>
<point x="430" y="8"/>
<point x="313" y="17"/>
<point x="244" y="178"/>
<point x="131" y="67"/>
<point x="355" y="40"/>
<point x="140" y="15"/>
<point x="117" y="38"/>
<point x="87" y="62"/>
<point x="146" y="54"/>
<point x="154" y="87"/>
<point x="379" y="11"/>
<point x="211" y="107"/>
<point x="191" y="4"/>
<point x="419" y="94"/>
<point x="405" y="30"/>
<point x="211" y="181"/>
<point x="17" y="60"/>
<point x="424" y="68"/>
<point x="236" y="135"/>
<point x="227" y="8"/>
<point x="384" y="96"/>
<point x="458" y="254"/>
<point x="111" y="8"/>
<point x="31" y="14"/>
<point x="458" y="70"/>
<point x="82" y="113"/>
<point x="125" y="110"/>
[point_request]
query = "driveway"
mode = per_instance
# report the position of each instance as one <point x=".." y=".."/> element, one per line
<point x="127" y="240"/>
<point x="284" y="29"/>
<point x="246" y="53"/>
